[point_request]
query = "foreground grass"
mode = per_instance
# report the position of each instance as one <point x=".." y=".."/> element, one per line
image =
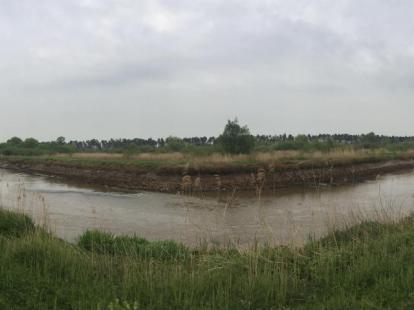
<point x="216" y="163"/>
<point x="369" y="266"/>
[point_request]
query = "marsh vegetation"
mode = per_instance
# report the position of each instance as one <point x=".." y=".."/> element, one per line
<point x="365" y="266"/>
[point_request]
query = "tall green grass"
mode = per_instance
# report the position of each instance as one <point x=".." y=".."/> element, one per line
<point x="106" y="243"/>
<point x="368" y="266"/>
<point x="14" y="224"/>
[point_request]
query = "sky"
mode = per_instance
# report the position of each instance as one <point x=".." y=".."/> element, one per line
<point x="125" y="68"/>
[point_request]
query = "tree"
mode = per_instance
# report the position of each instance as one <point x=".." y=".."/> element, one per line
<point x="15" y="141"/>
<point x="370" y="140"/>
<point x="175" y="144"/>
<point x="60" y="140"/>
<point x="301" y="139"/>
<point x="236" y="139"/>
<point x="30" y="143"/>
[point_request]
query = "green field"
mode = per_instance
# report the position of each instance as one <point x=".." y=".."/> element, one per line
<point x="368" y="266"/>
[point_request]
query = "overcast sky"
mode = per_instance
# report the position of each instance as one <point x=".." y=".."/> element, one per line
<point x="128" y="68"/>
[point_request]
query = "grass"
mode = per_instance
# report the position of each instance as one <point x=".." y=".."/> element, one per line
<point x="15" y="224"/>
<point x="106" y="243"/>
<point x="176" y="163"/>
<point x="368" y="266"/>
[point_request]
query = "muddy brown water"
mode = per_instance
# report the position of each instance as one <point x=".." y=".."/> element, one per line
<point x="283" y="217"/>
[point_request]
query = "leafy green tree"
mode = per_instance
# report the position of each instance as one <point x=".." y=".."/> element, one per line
<point x="15" y="141"/>
<point x="30" y="143"/>
<point x="236" y="139"/>
<point x="61" y="140"/>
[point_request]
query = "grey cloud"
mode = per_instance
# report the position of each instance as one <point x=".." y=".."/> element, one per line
<point x="266" y="61"/>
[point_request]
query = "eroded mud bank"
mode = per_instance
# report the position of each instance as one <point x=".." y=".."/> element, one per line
<point x="250" y="180"/>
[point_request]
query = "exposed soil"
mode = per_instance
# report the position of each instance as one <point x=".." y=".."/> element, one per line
<point x="251" y="180"/>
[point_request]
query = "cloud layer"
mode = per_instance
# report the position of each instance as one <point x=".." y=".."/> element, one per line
<point x="153" y="68"/>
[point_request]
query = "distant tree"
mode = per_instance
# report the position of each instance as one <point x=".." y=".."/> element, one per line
<point x="236" y="139"/>
<point x="15" y="141"/>
<point x="370" y="140"/>
<point x="174" y="144"/>
<point x="30" y="143"/>
<point x="160" y="142"/>
<point x="61" y="140"/>
<point x="301" y="139"/>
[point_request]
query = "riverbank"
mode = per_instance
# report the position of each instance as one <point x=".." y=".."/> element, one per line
<point x="174" y="173"/>
<point x="366" y="266"/>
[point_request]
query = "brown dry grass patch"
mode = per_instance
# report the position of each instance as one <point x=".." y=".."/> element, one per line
<point x="264" y="158"/>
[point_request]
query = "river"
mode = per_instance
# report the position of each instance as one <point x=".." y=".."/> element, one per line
<point x="288" y="216"/>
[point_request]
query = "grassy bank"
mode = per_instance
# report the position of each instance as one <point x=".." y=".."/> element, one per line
<point x="368" y="266"/>
<point x="215" y="163"/>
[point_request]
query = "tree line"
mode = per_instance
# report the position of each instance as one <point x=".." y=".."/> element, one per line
<point x="235" y="139"/>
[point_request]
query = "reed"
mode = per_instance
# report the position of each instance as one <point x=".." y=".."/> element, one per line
<point x="368" y="265"/>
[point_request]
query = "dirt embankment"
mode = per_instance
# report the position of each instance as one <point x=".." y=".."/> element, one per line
<point x="254" y="179"/>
